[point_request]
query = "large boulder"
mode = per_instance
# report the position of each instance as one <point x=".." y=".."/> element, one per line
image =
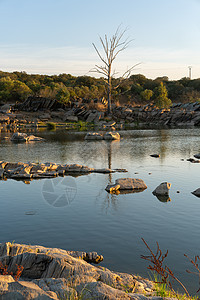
<point x="121" y="184"/>
<point x="162" y="189"/>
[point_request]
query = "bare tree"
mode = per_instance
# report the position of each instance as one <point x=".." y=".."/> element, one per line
<point x="111" y="47"/>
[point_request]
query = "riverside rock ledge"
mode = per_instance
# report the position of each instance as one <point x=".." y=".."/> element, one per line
<point x="52" y="273"/>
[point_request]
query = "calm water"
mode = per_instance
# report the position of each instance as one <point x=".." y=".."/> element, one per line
<point x="87" y="218"/>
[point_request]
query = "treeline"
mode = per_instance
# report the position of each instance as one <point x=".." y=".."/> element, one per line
<point x="17" y="86"/>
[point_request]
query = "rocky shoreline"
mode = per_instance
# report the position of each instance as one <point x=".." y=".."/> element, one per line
<point x="79" y="114"/>
<point x="51" y="273"/>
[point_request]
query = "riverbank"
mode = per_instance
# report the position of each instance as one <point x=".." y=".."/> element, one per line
<point x="80" y="117"/>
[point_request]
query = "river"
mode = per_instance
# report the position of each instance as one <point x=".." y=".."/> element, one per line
<point x="87" y="218"/>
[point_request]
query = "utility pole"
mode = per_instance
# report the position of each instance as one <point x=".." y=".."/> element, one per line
<point x="190" y="72"/>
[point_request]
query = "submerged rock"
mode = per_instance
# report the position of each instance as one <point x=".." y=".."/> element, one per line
<point x="162" y="189"/>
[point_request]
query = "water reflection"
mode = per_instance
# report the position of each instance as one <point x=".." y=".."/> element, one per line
<point x="163" y="198"/>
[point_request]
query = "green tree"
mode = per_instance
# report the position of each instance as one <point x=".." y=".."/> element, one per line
<point x="63" y="96"/>
<point x="161" y="97"/>
<point x="146" y="94"/>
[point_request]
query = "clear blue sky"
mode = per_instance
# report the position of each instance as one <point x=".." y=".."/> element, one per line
<point x="53" y="37"/>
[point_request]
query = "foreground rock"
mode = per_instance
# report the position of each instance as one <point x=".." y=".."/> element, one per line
<point x="127" y="184"/>
<point x="23" y="137"/>
<point x="162" y="189"/>
<point x="51" y="273"/>
<point x="28" y="171"/>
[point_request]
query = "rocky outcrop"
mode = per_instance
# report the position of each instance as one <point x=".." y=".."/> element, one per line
<point x="35" y="103"/>
<point x="51" y="273"/>
<point x="46" y="170"/>
<point x="162" y="189"/>
<point x="127" y="184"/>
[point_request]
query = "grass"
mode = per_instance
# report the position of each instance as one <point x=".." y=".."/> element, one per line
<point x="162" y="290"/>
<point x="51" y="126"/>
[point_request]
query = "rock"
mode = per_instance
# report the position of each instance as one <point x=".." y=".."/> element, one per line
<point x="6" y="108"/>
<point x="111" y="136"/>
<point x="24" y="290"/>
<point x="93" y="136"/>
<point x="100" y="290"/>
<point x="46" y="170"/>
<point x="162" y="189"/>
<point x="19" y="137"/>
<point x="90" y="257"/>
<point x="32" y="138"/>
<point x="192" y="160"/>
<point x="23" y="137"/>
<point x="75" y="168"/>
<point x="112" y="188"/>
<point x="103" y="170"/>
<point x="1" y="173"/>
<point x="196" y="192"/>
<point x="133" y="184"/>
<point x="91" y="117"/>
<point x="197" y="156"/>
<point x="71" y="118"/>
<point x="57" y="285"/>
<point x="59" y="274"/>
<point x="155" y="155"/>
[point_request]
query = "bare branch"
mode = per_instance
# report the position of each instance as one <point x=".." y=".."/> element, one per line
<point x="125" y="75"/>
<point x="102" y="59"/>
<point x="111" y="47"/>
